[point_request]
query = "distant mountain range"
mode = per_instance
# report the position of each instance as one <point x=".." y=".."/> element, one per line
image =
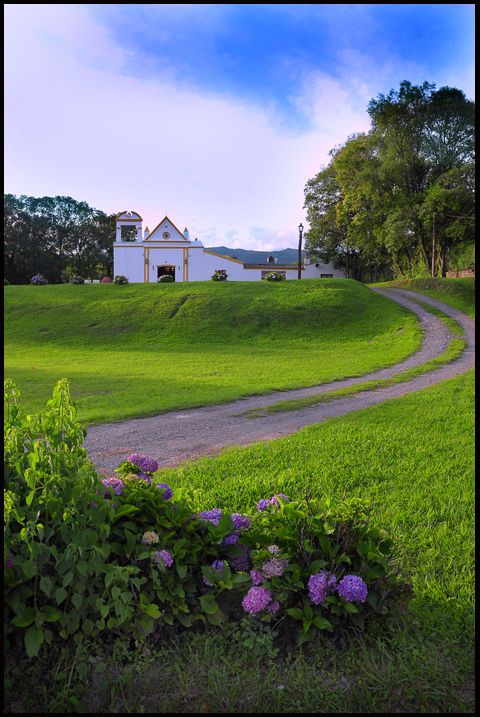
<point x="250" y="256"/>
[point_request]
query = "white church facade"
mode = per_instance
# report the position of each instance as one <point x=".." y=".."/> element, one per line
<point x="144" y="256"/>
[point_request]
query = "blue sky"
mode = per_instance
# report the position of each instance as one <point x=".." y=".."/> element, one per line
<point x="217" y="114"/>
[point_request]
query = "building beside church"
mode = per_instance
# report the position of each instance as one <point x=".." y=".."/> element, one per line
<point x="144" y="256"/>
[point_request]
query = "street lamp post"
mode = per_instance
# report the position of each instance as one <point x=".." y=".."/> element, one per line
<point x="300" y="234"/>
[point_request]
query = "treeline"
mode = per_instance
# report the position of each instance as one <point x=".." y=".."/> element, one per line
<point x="58" y="237"/>
<point x="398" y="201"/>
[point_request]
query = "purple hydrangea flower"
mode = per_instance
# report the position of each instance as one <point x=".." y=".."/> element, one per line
<point x="274" y="567"/>
<point x="240" y="522"/>
<point x="352" y="588"/>
<point x="274" y="606"/>
<point x="145" y="477"/>
<point x="241" y="562"/>
<point x="256" y="577"/>
<point x="230" y="539"/>
<point x="115" y="483"/>
<point x="213" y="516"/>
<point x="319" y="585"/>
<point x="274" y="499"/>
<point x="147" y="464"/>
<point x="263" y="504"/>
<point x="167" y="491"/>
<point x="218" y="566"/>
<point x="163" y="556"/>
<point x="273" y="549"/>
<point x="256" y="599"/>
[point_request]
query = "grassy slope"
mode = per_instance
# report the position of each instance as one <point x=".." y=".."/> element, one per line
<point x="137" y="350"/>
<point x="413" y="457"/>
<point x="459" y="293"/>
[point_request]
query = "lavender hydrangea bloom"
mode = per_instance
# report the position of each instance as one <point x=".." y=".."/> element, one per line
<point x="274" y="499"/>
<point x="213" y="516"/>
<point x="256" y="600"/>
<point x="241" y="562"/>
<point x="319" y="585"/>
<point x="352" y="588"/>
<point x="256" y="577"/>
<point x="240" y="522"/>
<point x="147" y="464"/>
<point x="274" y="567"/>
<point x="163" y="556"/>
<point x="145" y="477"/>
<point x="218" y="566"/>
<point x="273" y="549"/>
<point x="167" y="491"/>
<point x="263" y="504"/>
<point x="274" y="606"/>
<point x="115" y="483"/>
<point x="230" y="539"/>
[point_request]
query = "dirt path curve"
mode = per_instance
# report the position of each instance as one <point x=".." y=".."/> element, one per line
<point x="177" y="436"/>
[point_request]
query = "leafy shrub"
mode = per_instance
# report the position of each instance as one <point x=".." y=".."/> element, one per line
<point x="275" y="276"/>
<point x="219" y="275"/>
<point x="77" y="279"/>
<point x="120" y="279"/>
<point x="38" y="279"/>
<point x="114" y="558"/>
<point x="6" y="282"/>
<point x="166" y="279"/>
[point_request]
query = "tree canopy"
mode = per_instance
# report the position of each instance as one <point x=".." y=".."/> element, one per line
<point x="399" y="199"/>
<point x="58" y="237"/>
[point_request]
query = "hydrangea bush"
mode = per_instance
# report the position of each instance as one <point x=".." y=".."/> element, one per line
<point x="88" y="555"/>
<point x="120" y="279"/>
<point x="219" y="275"/>
<point x="275" y="276"/>
<point x="38" y="279"/>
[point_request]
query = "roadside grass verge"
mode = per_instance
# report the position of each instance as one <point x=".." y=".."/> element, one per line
<point x="138" y="350"/>
<point x="413" y="457"/>
<point x="459" y="293"/>
<point x="452" y="352"/>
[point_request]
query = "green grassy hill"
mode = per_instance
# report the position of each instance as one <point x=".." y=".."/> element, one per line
<point x="459" y="293"/>
<point x="141" y="349"/>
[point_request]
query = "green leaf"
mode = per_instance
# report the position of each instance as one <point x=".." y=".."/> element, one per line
<point x="216" y="619"/>
<point x="67" y="579"/>
<point x="25" y="618"/>
<point x="33" y="640"/>
<point x="182" y="571"/>
<point x="46" y="586"/>
<point x="52" y="614"/>
<point x="308" y="612"/>
<point x="29" y="568"/>
<point x="60" y="595"/>
<point x="317" y="565"/>
<point x="77" y="600"/>
<point x="350" y="608"/>
<point x="295" y="612"/>
<point x="209" y="604"/>
<point x="322" y="623"/>
<point x="30" y="497"/>
<point x="152" y="610"/>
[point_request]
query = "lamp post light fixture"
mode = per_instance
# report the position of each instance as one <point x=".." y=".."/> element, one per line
<point x="300" y="235"/>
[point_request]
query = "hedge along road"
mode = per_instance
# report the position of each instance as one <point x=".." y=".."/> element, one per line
<point x="174" y="437"/>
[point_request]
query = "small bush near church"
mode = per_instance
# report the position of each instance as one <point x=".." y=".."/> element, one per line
<point x="78" y="279"/>
<point x="275" y="276"/>
<point x="220" y="275"/>
<point x="6" y="282"/>
<point x="38" y="279"/>
<point x="120" y="279"/>
<point x="106" y="280"/>
<point x="166" y="279"/>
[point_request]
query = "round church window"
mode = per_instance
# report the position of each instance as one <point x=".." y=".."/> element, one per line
<point x="166" y="235"/>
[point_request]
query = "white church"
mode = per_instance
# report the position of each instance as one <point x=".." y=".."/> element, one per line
<point x="145" y="256"/>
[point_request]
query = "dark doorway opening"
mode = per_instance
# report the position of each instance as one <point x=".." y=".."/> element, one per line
<point x="165" y="270"/>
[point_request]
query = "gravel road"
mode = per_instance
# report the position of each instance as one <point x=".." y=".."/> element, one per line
<point x="174" y="437"/>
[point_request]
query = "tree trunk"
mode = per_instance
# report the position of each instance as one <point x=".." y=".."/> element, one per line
<point x="434" y="248"/>
<point x="443" y="259"/>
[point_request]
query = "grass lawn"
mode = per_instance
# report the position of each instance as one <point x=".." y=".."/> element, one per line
<point x="137" y="350"/>
<point x="413" y="458"/>
<point x="459" y="293"/>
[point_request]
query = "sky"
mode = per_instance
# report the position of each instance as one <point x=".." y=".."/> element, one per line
<point x="216" y="115"/>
